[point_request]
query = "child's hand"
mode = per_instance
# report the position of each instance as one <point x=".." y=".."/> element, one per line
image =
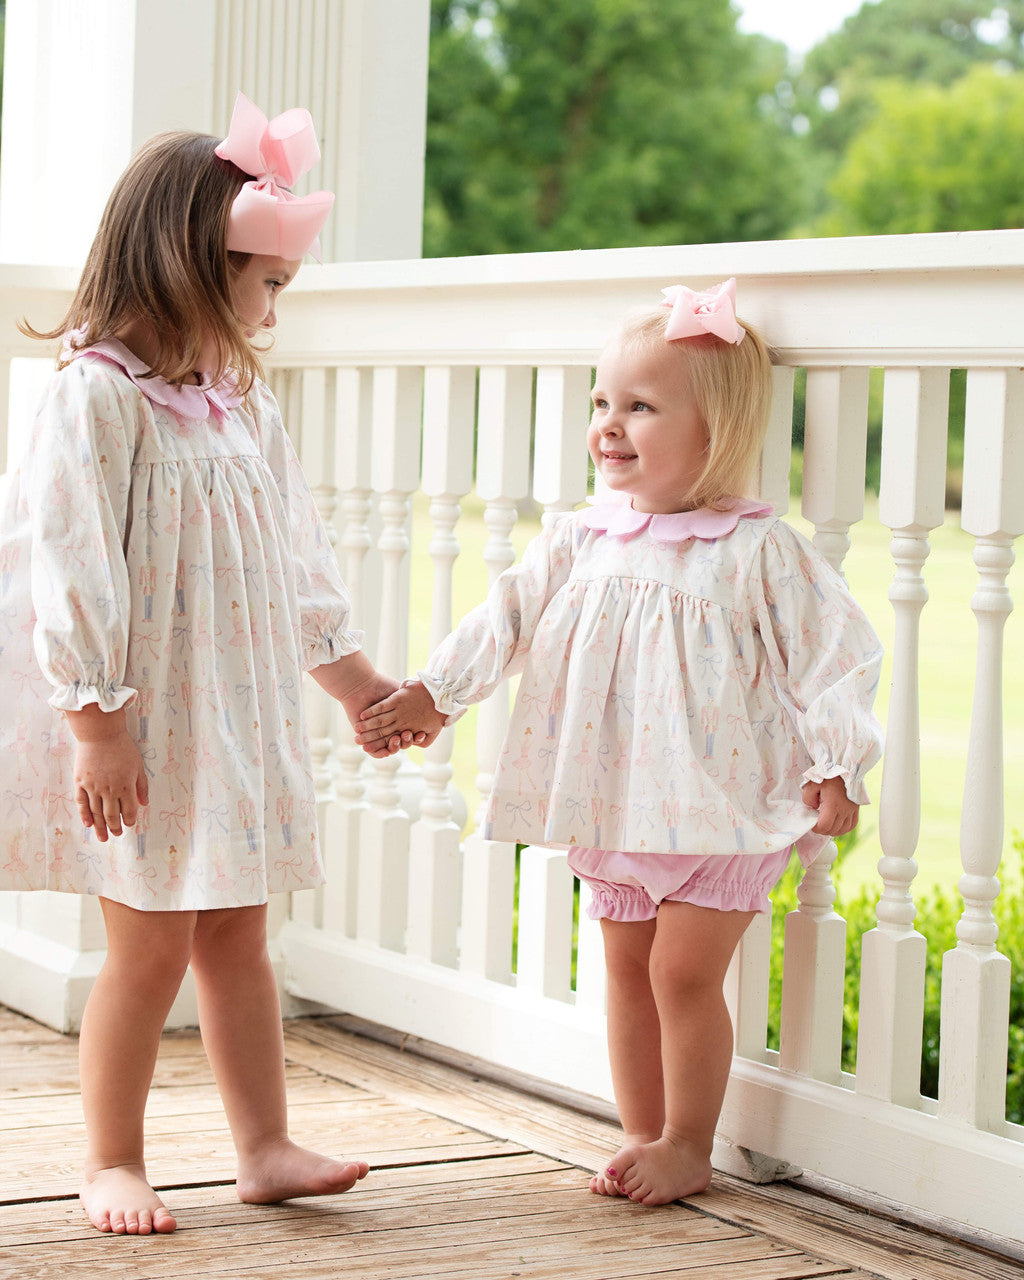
<point x="837" y="813"/>
<point x="110" y="784"/>
<point x="386" y="723"/>
<point x="355" y="683"/>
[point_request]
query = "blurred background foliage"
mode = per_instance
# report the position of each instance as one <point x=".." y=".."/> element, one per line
<point x="575" y="124"/>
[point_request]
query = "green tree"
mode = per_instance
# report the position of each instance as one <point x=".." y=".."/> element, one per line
<point x="915" y="41"/>
<point x="935" y="159"/>
<point x="600" y="123"/>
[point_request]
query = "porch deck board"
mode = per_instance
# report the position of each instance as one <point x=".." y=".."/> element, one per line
<point x="472" y="1180"/>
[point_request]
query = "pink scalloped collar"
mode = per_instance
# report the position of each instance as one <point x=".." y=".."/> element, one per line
<point x="194" y="404"/>
<point x="619" y="519"/>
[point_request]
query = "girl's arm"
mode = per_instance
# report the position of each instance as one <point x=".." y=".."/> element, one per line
<point x="492" y="642"/>
<point x="77" y="483"/>
<point x="824" y="660"/>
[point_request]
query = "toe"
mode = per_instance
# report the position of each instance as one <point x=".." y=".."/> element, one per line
<point x="163" y="1220"/>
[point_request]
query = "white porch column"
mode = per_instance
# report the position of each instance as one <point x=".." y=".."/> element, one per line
<point x="84" y="86"/>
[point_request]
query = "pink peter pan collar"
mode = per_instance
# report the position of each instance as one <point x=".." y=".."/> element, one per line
<point x="194" y="404"/>
<point x="617" y="517"/>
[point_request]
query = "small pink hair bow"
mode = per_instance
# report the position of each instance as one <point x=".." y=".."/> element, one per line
<point x="265" y="217"/>
<point x="712" y="311"/>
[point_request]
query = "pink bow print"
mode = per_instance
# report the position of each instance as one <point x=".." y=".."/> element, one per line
<point x="712" y="311"/>
<point x="265" y="217"/>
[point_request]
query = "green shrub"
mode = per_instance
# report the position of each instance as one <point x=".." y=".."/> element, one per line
<point x="938" y="911"/>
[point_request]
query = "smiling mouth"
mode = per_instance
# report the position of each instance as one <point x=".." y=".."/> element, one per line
<point x="618" y="457"/>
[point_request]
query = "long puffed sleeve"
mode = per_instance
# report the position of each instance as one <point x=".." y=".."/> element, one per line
<point x="824" y="658"/>
<point x="323" y="598"/>
<point x="492" y="641"/>
<point x="77" y="478"/>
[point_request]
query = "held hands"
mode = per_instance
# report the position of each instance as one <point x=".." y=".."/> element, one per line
<point x="837" y="813"/>
<point x="110" y="778"/>
<point x="384" y="727"/>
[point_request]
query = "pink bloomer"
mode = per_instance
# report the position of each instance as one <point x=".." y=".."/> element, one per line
<point x="629" y="886"/>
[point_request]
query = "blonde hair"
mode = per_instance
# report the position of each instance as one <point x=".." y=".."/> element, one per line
<point x="732" y="388"/>
<point x="160" y="257"/>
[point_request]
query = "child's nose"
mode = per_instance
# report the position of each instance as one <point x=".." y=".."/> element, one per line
<point x="270" y="319"/>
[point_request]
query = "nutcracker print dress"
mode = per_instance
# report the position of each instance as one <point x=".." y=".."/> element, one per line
<point x="160" y="551"/>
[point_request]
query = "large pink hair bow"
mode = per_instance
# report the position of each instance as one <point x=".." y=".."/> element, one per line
<point x="712" y="311"/>
<point x="265" y="217"/>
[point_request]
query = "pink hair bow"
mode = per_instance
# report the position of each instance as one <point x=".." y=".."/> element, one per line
<point x="265" y="217"/>
<point x="712" y="311"/>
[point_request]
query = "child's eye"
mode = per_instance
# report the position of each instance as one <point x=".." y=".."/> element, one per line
<point x="599" y="403"/>
<point x="639" y="406"/>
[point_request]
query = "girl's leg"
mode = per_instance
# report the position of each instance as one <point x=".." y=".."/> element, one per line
<point x="147" y="954"/>
<point x="240" y="1018"/>
<point x="691" y="953"/>
<point x="634" y="1039"/>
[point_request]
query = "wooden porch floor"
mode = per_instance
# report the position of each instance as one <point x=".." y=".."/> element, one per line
<point x="470" y="1180"/>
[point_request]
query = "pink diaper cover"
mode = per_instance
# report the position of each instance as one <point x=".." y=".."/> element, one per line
<point x="630" y="886"/>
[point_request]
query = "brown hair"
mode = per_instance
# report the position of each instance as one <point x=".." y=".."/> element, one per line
<point x="732" y="388"/>
<point x="160" y="257"/>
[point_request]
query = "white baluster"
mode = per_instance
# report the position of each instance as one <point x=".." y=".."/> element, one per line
<point x="773" y="484"/>
<point x="591" y="974"/>
<point x="316" y="414"/>
<point x="502" y="478"/>
<point x="911" y="502"/>
<point x="384" y="838"/>
<point x="835" y="439"/>
<point x="560" y="437"/>
<point x="342" y="820"/>
<point x="311" y="407"/>
<point x="835" y="442"/>
<point x="975" y="976"/>
<point x="544" y="951"/>
<point x="435" y="859"/>
<point x="747" y="988"/>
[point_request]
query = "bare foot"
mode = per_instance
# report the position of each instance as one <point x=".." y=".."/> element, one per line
<point x="121" y="1201"/>
<point x="283" y="1171"/>
<point x="661" y="1171"/>
<point x="603" y="1182"/>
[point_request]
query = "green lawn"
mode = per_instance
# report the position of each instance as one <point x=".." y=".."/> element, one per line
<point x="948" y="633"/>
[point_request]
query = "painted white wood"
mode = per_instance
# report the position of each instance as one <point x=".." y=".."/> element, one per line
<point x="435" y="851"/>
<point x="813" y="972"/>
<point x="835" y="435"/>
<point x="384" y="832"/>
<point x="559" y="451"/>
<point x="379" y="122"/>
<point x="975" y="976"/>
<point x="544" y="955"/>
<point x="835" y="442"/>
<point x="591" y="975"/>
<point x="504" y="413"/>
<point x="747" y="988"/>
<point x="893" y="955"/>
<point x="773" y="481"/>
<point x="350" y="467"/>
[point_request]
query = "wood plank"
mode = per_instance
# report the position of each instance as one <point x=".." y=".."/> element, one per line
<point x="846" y="1233"/>
<point x="894" y="1250"/>
<point x="474" y="1180"/>
<point x="218" y="1206"/>
<point x="383" y="1242"/>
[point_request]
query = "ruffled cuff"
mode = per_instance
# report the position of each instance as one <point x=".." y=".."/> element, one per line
<point x="444" y="698"/>
<point x="330" y="646"/>
<point x="75" y="696"/>
<point x="852" y="776"/>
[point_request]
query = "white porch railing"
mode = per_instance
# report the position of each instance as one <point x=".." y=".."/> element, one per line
<point x="386" y="371"/>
